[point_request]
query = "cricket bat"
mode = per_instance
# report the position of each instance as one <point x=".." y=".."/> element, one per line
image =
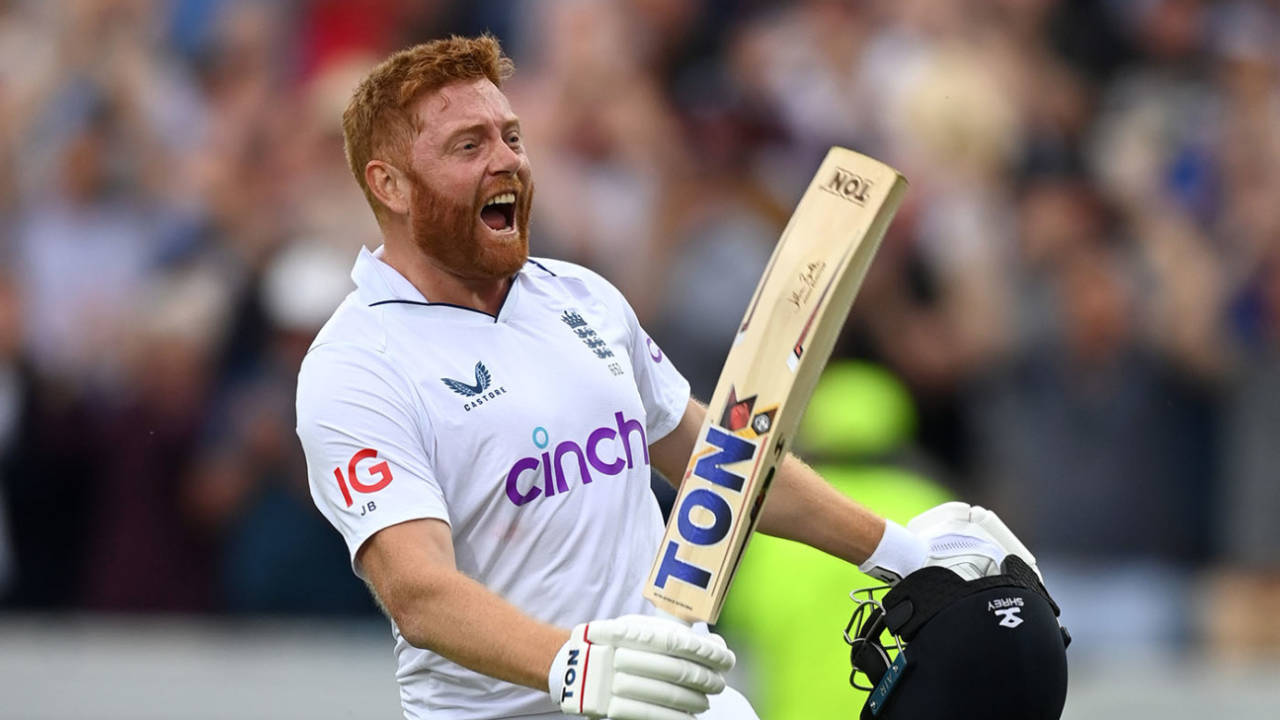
<point x="781" y="347"/>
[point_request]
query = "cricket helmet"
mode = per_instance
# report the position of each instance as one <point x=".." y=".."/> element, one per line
<point x="938" y="647"/>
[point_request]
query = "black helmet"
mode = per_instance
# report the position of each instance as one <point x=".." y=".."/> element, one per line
<point x="990" y="648"/>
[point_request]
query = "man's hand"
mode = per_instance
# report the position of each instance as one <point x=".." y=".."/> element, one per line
<point x="970" y="540"/>
<point x="637" y="667"/>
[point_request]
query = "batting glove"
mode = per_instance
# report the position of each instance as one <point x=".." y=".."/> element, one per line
<point x="638" y="667"/>
<point x="970" y="540"/>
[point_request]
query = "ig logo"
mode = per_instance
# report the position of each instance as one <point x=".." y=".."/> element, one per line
<point x="352" y="481"/>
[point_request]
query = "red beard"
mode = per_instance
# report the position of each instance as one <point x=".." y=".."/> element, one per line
<point x="453" y="235"/>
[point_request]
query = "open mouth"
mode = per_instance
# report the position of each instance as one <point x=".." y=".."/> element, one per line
<point x="499" y="212"/>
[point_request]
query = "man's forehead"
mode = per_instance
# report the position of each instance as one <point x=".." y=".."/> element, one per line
<point x="463" y="101"/>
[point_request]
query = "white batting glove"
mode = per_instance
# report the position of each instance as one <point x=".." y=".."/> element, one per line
<point x="899" y="553"/>
<point x="638" y="667"/>
<point x="970" y="540"/>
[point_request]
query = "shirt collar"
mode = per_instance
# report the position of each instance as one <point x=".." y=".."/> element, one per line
<point x="377" y="281"/>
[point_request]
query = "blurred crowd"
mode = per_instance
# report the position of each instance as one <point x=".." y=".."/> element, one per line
<point x="1081" y="294"/>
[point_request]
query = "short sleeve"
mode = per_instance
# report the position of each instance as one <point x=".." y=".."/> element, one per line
<point x="368" y="463"/>
<point x="663" y="390"/>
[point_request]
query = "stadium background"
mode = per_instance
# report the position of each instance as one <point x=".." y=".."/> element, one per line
<point x="1075" y="318"/>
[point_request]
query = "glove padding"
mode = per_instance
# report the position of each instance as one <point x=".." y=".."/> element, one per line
<point x="638" y="667"/>
<point x="969" y="540"/>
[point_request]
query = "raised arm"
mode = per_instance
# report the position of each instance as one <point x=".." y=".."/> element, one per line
<point x="801" y="506"/>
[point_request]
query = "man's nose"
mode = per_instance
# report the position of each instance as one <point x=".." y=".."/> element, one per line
<point x="505" y="159"/>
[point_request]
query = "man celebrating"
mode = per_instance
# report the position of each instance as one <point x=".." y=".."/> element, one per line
<point x="480" y="427"/>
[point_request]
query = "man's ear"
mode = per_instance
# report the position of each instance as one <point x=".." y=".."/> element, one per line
<point x="389" y="184"/>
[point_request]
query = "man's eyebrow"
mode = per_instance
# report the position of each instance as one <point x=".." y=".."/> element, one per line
<point x="479" y="128"/>
<point x="473" y="129"/>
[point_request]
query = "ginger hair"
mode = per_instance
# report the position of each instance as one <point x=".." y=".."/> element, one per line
<point x="379" y="122"/>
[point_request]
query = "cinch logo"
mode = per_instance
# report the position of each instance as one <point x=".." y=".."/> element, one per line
<point x="525" y="484"/>
<point x="848" y="185"/>
<point x="477" y="391"/>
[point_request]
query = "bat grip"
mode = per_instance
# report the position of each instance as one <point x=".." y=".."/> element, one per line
<point x="673" y="618"/>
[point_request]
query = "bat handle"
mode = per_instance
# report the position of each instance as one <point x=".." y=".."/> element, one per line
<point x="673" y="618"/>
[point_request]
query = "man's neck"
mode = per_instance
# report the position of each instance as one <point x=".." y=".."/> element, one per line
<point x="439" y="285"/>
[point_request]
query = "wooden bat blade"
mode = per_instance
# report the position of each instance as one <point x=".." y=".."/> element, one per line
<point x="782" y="345"/>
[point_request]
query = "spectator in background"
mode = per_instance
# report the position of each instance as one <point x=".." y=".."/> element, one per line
<point x="98" y="127"/>
<point x="1065" y="409"/>
<point x="1098" y="446"/>
<point x="81" y="253"/>
<point x="146" y="550"/>
<point x="323" y="205"/>
<point x="14" y="388"/>
<point x="238" y="165"/>
<point x="609" y="145"/>
<point x="721" y="226"/>
<point x="47" y="456"/>
<point x="1249" y="228"/>
<point x="1244" y="623"/>
<point x="277" y="555"/>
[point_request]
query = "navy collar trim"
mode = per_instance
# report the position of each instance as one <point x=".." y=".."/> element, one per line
<point x="544" y="267"/>
<point x="443" y="304"/>
<point x="464" y="307"/>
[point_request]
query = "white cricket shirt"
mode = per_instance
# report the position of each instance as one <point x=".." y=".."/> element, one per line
<point x="527" y="432"/>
